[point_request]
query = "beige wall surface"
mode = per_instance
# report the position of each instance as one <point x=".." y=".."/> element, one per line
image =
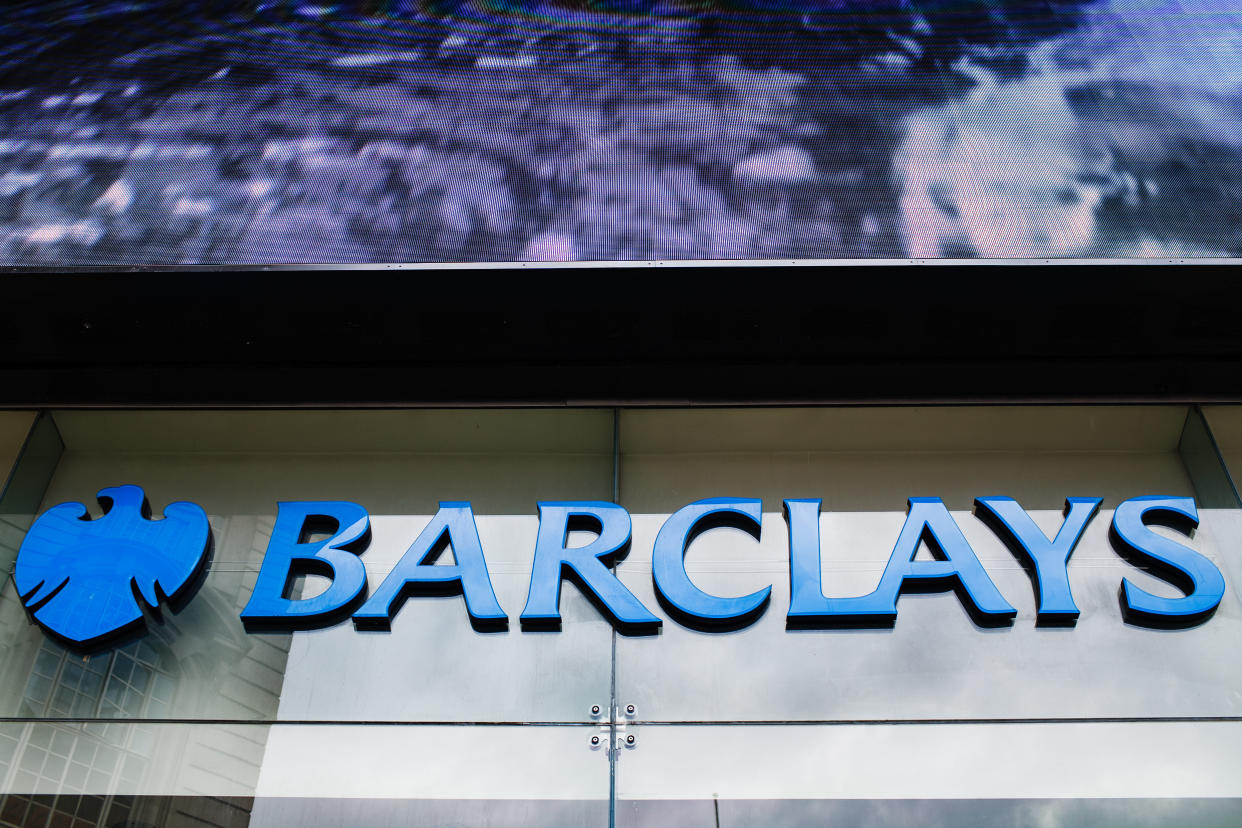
<point x="873" y="459"/>
<point x="505" y="461"/>
<point x="392" y="462"/>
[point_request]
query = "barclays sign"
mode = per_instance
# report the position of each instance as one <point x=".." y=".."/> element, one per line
<point x="90" y="582"/>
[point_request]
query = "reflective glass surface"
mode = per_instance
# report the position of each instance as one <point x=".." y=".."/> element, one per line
<point x="113" y="773"/>
<point x="201" y="663"/>
<point x="433" y="666"/>
<point x="951" y="761"/>
<point x="936" y="662"/>
<point x="1121" y="813"/>
<point x="937" y="720"/>
<point x="198" y="664"/>
<point x="109" y="758"/>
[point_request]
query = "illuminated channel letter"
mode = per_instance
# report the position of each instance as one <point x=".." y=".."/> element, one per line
<point x="927" y="519"/>
<point x="808" y="608"/>
<point x="1046" y="562"/>
<point x="680" y="598"/>
<point x="418" y="574"/>
<point x="289" y="554"/>
<point x="1186" y="569"/>
<point x="587" y="566"/>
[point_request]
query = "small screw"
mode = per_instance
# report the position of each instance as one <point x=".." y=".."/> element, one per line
<point x="595" y="740"/>
<point x="595" y="710"/>
<point x="629" y="710"/>
<point x="629" y="740"/>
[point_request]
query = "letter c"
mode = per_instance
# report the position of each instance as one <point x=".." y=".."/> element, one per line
<point x="681" y="599"/>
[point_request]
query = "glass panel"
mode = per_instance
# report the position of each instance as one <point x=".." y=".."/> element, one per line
<point x="936" y="662"/>
<point x="287" y="812"/>
<point x="90" y="810"/>
<point x="919" y="774"/>
<point x="131" y="759"/>
<point x="431" y="775"/>
<point x="1121" y="813"/>
<point x="434" y="762"/>
<point x="176" y="774"/>
<point x="199" y="663"/>
<point x="432" y="666"/>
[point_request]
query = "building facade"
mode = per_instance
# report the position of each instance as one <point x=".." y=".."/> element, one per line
<point x="754" y="710"/>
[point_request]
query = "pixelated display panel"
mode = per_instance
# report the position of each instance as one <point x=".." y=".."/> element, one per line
<point x="238" y="131"/>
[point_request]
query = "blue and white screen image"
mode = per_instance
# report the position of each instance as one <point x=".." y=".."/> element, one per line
<point x="162" y="132"/>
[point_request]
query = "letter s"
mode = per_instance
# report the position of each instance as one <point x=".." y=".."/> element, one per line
<point x="1181" y="566"/>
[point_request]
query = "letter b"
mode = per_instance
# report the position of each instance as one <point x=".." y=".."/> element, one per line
<point x="289" y="554"/>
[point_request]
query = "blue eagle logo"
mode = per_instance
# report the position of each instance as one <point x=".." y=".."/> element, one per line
<point x="89" y="581"/>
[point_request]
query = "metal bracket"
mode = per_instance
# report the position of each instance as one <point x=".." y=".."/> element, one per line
<point x="615" y="731"/>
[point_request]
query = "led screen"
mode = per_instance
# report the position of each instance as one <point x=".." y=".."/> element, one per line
<point x="158" y="132"/>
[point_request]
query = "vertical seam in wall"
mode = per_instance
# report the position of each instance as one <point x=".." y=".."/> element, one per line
<point x="612" y="672"/>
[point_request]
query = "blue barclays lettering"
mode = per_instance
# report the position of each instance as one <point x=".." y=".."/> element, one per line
<point x="65" y="574"/>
